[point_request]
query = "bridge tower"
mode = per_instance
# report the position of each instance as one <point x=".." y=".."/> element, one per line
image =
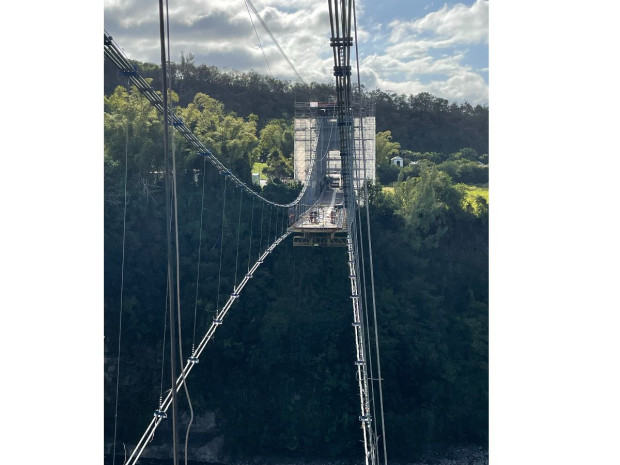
<point x="316" y="134"/>
<point x="317" y="141"/>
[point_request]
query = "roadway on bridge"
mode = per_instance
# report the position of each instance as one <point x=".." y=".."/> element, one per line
<point x="327" y="214"/>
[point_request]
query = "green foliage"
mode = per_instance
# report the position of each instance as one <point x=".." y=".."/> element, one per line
<point x="475" y="199"/>
<point x="258" y="167"/>
<point x="386" y="149"/>
<point x="276" y="135"/>
<point x="421" y="122"/>
<point x="279" y="373"/>
<point x="424" y="201"/>
<point x="465" y="171"/>
<point x="433" y="157"/>
<point x="387" y="174"/>
<point x="130" y="111"/>
<point x="275" y="148"/>
<point x="427" y="123"/>
<point x="229" y="137"/>
<point x="278" y="166"/>
<point x="412" y="170"/>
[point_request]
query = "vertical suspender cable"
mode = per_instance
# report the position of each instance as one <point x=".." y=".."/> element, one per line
<point x="120" y="317"/>
<point x="372" y="277"/>
<point x="260" y="242"/>
<point x="251" y="229"/>
<point x="172" y="328"/>
<point x="269" y="230"/>
<point x="163" y="352"/>
<point x="175" y="209"/>
<point x="238" y="232"/>
<point x="204" y="175"/>
<point x="219" y="273"/>
<point x="176" y="233"/>
<point x="367" y="325"/>
<point x="341" y="43"/>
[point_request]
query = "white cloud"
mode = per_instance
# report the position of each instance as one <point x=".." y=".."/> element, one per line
<point x="408" y="64"/>
<point x="397" y="56"/>
<point x="457" y="25"/>
<point x="460" y="84"/>
<point x="461" y="87"/>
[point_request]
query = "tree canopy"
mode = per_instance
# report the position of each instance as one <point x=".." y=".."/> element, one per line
<point x="279" y="375"/>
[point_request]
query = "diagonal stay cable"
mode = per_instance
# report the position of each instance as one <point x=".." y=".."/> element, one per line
<point x="248" y="2"/>
<point x="258" y="38"/>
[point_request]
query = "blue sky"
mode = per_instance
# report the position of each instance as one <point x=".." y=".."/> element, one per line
<point x="405" y="46"/>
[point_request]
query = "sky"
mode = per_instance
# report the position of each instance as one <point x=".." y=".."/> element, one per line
<point x="405" y="46"/>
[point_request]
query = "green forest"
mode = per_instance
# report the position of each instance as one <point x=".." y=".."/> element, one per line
<point x="279" y="374"/>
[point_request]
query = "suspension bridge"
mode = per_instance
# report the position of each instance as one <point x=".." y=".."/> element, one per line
<point x="326" y="213"/>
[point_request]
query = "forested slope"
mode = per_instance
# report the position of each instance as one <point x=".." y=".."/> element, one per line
<point x="421" y="123"/>
<point x="279" y="374"/>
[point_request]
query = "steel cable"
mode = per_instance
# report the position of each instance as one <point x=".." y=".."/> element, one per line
<point x="120" y="317"/>
<point x="238" y="232"/>
<point x="258" y="38"/>
<point x="219" y="273"/>
<point x="369" y="237"/>
<point x="251" y="231"/>
<point x="202" y="202"/>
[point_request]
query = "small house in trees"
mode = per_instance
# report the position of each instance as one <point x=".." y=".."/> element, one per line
<point x="398" y="161"/>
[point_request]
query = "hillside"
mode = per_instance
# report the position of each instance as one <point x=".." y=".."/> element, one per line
<point x="421" y="123"/>
<point x="278" y="379"/>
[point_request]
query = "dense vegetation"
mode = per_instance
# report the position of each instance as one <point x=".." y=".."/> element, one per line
<point x="422" y="122"/>
<point x="279" y="374"/>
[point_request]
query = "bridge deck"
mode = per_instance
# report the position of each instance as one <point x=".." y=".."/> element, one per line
<point x="326" y="215"/>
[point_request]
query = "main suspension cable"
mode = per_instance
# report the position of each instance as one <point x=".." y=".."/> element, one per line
<point x="117" y="56"/>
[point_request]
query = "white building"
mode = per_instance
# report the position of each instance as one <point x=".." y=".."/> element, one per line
<point x="398" y="161"/>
